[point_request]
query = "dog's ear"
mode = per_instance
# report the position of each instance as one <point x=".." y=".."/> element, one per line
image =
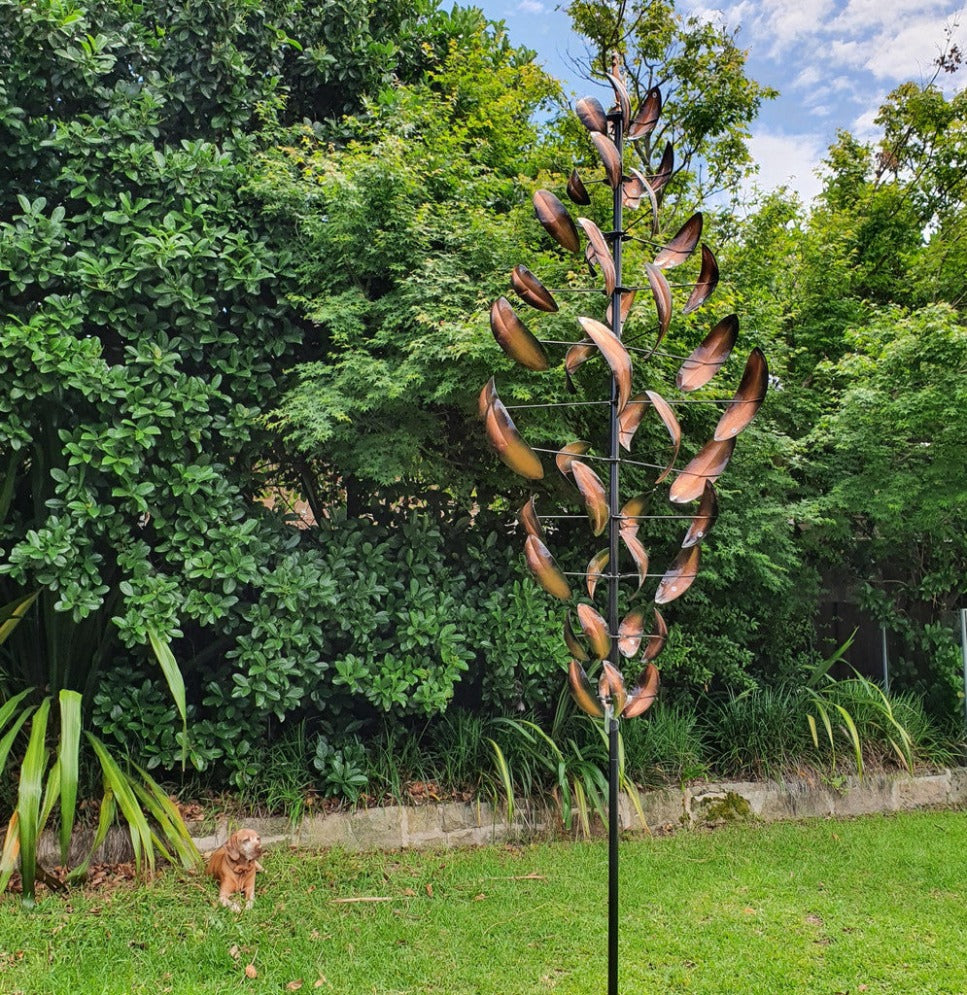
<point x="231" y="847"/>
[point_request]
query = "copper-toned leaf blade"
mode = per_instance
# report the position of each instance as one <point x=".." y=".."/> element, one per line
<point x="656" y="642"/>
<point x="510" y="447"/>
<point x="643" y="694"/>
<point x="670" y="422"/>
<point x="514" y="337"/>
<point x="611" y="685"/>
<point x="631" y="511"/>
<point x="624" y="309"/>
<point x="663" y="299"/>
<point x="527" y="516"/>
<point x="576" y="190"/>
<point x="621" y="95"/>
<point x="600" y="252"/>
<point x="638" y="553"/>
<point x="647" y="117"/>
<point x="579" y="353"/>
<point x="582" y="691"/>
<point x="708" y="512"/>
<point x="630" y="419"/>
<point x="486" y="398"/>
<point x="610" y="158"/>
<point x="596" y="630"/>
<point x="748" y="398"/>
<point x="591" y="114"/>
<point x="571" y="641"/>
<point x="707" y="464"/>
<point x="566" y="456"/>
<point x="708" y="279"/>
<point x="682" y="245"/>
<point x="596" y="568"/>
<point x="553" y="215"/>
<point x="631" y="632"/>
<point x="679" y="576"/>
<point x="665" y="169"/>
<point x="594" y="494"/>
<point x="544" y="568"/>
<point x="614" y="352"/>
<point x="709" y="357"/>
<point x="531" y="290"/>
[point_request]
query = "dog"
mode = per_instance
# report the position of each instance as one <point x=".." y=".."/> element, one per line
<point x="234" y="865"/>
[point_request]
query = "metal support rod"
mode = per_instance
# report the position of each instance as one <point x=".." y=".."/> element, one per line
<point x="617" y="124"/>
<point x="612" y="854"/>
<point x="963" y="646"/>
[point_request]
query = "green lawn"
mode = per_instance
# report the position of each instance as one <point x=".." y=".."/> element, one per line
<point x="871" y="905"/>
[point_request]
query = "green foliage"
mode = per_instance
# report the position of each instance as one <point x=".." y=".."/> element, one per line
<point x="708" y="100"/>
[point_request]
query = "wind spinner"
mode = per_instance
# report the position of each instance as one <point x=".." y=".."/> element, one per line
<point x="605" y="638"/>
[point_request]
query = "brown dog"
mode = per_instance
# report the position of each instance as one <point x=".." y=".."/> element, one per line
<point x="234" y="865"/>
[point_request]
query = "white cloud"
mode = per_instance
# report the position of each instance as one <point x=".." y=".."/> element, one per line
<point x="788" y="160"/>
<point x="531" y="7"/>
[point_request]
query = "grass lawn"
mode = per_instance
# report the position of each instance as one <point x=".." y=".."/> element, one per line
<point x="873" y="905"/>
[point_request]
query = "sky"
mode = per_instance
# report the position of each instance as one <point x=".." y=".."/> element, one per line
<point x="833" y="62"/>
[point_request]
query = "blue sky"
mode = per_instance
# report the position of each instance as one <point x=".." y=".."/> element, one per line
<point x="833" y="62"/>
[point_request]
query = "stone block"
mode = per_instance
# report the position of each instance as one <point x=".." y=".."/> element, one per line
<point x="665" y="807"/>
<point x="865" y="796"/>
<point x="795" y="799"/>
<point x="957" y="790"/>
<point x="928" y="791"/>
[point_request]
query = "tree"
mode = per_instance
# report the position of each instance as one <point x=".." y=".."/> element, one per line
<point x="145" y="328"/>
<point x="708" y="100"/>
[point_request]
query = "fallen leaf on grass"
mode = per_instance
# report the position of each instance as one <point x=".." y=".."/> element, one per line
<point x="294" y="986"/>
<point x="429" y="890"/>
<point x="250" y="971"/>
<point x="234" y="952"/>
<point x="319" y="982"/>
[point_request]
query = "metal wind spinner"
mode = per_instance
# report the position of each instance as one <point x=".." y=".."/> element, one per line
<point x="606" y="637"/>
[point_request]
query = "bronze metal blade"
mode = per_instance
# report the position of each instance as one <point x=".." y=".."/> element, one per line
<point x="596" y="568"/>
<point x="631" y="632"/>
<point x="679" y="576"/>
<point x="709" y="357"/>
<point x="486" y="398"/>
<point x="576" y="190"/>
<point x="643" y="694"/>
<point x="614" y="352"/>
<point x="582" y="691"/>
<point x="624" y="309"/>
<point x="591" y="114"/>
<point x="596" y="630"/>
<point x="638" y="553"/>
<point x="601" y="253"/>
<point x="656" y="642"/>
<point x="566" y="455"/>
<point x="628" y="523"/>
<point x="633" y="189"/>
<point x="553" y="215"/>
<point x="707" y="464"/>
<point x="572" y="642"/>
<point x="544" y="568"/>
<point x="630" y="419"/>
<point x="514" y="337"/>
<point x="611" y="686"/>
<point x="663" y="299"/>
<point x="647" y="117"/>
<point x="621" y="95"/>
<point x="594" y="494"/>
<point x="531" y="290"/>
<point x="610" y="158"/>
<point x="748" y="398"/>
<point x="708" y="512"/>
<point x="579" y="353"/>
<point x="682" y="245"/>
<point x="527" y="516"/>
<point x="510" y="447"/>
<point x="708" y="279"/>
<point x="665" y="169"/>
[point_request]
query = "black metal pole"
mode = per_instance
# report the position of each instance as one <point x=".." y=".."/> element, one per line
<point x="612" y="854"/>
<point x="617" y="123"/>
